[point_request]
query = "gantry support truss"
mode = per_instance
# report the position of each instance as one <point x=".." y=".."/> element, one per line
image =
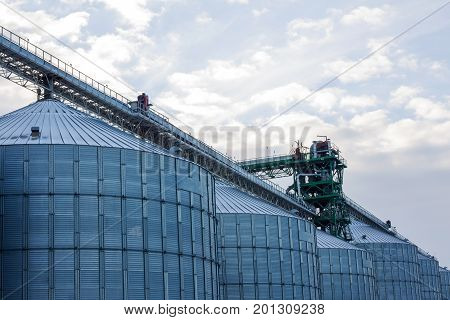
<point x="317" y="177"/>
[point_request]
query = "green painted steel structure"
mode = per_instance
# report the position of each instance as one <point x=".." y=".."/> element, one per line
<point x="318" y="174"/>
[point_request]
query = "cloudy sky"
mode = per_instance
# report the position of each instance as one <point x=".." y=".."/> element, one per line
<point x="237" y="64"/>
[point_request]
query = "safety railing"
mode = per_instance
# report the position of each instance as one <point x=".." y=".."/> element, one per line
<point x="264" y="160"/>
<point x="63" y="66"/>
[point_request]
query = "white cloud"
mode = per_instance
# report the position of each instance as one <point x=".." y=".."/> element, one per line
<point x="220" y="71"/>
<point x="302" y="119"/>
<point x="259" y="12"/>
<point x="362" y="14"/>
<point x="402" y="134"/>
<point x="425" y="108"/>
<point x="369" y="120"/>
<point x="185" y="80"/>
<point x="280" y="96"/>
<point x="408" y="62"/>
<point x="11" y="20"/>
<point x="197" y="106"/>
<point x="223" y="70"/>
<point x="134" y="12"/>
<point x="238" y="1"/>
<point x="174" y="38"/>
<point x="403" y="94"/>
<point x="197" y="97"/>
<point x="374" y="134"/>
<point x="110" y="49"/>
<point x="69" y="25"/>
<point x="107" y="50"/>
<point x="307" y="30"/>
<point x="146" y="64"/>
<point x="325" y="100"/>
<point x="379" y="64"/>
<point x="261" y="58"/>
<point x="375" y="66"/>
<point x="436" y="66"/>
<point x="203" y="18"/>
<point x="118" y="54"/>
<point x="355" y="103"/>
<point x="200" y="96"/>
<point x="13" y="97"/>
<point x="375" y="44"/>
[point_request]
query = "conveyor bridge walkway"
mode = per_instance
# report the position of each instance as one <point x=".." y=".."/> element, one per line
<point x="37" y="70"/>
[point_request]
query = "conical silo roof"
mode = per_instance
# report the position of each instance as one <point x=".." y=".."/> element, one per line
<point x="59" y="124"/>
<point x="230" y="199"/>
<point x="327" y="241"/>
<point x="363" y="233"/>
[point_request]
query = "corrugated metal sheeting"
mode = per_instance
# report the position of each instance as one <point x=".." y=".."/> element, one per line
<point x="94" y="222"/>
<point x="266" y="253"/>
<point x="395" y="261"/>
<point x="346" y="271"/>
<point x="429" y="275"/>
<point x="444" y="275"/>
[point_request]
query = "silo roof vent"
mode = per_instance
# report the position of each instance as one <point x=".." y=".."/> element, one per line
<point x="35" y="132"/>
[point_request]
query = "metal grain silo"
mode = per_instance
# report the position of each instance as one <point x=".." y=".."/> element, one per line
<point x="444" y="275"/>
<point x="395" y="262"/>
<point x="346" y="271"/>
<point x="88" y="211"/>
<point x="429" y="277"/>
<point x="266" y="252"/>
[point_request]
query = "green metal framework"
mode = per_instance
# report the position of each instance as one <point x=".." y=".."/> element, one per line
<point x="318" y="174"/>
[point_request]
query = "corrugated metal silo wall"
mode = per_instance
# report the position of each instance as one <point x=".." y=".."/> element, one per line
<point x="85" y="222"/>
<point x="346" y="274"/>
<point x="396" y="270"/>
<point x="444" y="276"/>
<point x="430" y="281"/>
<point x="267" y="257"/>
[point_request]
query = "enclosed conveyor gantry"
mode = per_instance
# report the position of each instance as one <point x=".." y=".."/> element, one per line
<point x="37" y="70"/>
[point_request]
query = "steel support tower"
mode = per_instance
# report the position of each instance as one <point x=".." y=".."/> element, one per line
<point x="318" y="176"/>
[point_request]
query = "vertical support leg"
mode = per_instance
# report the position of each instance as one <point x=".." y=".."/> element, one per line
<point x="48" y="89"/>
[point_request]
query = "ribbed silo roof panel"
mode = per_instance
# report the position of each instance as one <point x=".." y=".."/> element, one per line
<point x="61" y="124"/>
<point x="363" y="233"/>
<point x="327" y="241"/>
<point x="422" y="256"/>
<point x="230" y="199"/>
